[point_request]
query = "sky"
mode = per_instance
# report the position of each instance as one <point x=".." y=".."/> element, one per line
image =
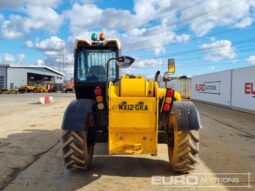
<point x="203" y="36"/>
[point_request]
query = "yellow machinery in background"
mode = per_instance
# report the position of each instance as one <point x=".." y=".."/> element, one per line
<point x="130" y="113"/>
<point x="33" y="88"/>
<point x="37" y="88"/>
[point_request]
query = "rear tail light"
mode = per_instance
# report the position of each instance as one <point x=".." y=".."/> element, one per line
<point x="166" y="107"/>
<point x="170" y="93"/>
<point x="99" y="99"/>
<point x="98" y="91"/>
<point x="100" y="106"/>
<point x="168" y="100"/>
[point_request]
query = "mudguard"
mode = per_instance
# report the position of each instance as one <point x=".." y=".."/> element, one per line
<point x="76" y="114"/>
<point x="187" y="116"/>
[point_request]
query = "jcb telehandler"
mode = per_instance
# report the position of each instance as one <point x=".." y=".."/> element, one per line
<point x="129" y="112"/>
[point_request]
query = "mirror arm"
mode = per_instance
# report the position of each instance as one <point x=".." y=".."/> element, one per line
<point x="166" y="80"/>
<point x="107" y="69"/>
<point x="119" y="59"/>
<point x="156" y="76"/>
<point x="107" y="78"/>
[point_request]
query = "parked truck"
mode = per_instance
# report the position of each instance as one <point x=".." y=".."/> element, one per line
<point x="69" y="86"/>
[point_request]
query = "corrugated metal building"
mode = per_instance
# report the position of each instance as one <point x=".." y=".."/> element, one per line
<point x="15" y="76"/>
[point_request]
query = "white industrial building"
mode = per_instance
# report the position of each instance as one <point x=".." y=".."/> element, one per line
<point x="15" y="76"/>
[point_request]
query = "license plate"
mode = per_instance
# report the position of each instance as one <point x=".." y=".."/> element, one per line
<point x="132" y="107"/>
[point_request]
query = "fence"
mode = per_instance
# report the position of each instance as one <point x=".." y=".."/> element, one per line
<point x="233" y="88"/>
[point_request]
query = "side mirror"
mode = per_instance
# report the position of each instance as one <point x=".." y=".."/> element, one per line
<point x="171" y="66"/>
<point x="124" y="61"/>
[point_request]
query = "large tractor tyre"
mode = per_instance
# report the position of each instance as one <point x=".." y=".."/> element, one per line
<point x="183" y="149"/>
<point x="78" y="149"/>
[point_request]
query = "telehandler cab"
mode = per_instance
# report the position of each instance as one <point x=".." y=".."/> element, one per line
<point x="129" y="112"/>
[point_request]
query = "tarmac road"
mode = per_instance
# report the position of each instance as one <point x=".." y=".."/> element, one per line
<point x="31" y="158"/>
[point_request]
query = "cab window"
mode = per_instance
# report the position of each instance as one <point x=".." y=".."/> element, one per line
<point x="91" y="65"/>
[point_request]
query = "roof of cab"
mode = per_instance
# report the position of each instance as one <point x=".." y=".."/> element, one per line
<point x="77" y="41"/>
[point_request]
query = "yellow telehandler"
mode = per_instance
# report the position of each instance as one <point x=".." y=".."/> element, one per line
<point x="128" y="112"/>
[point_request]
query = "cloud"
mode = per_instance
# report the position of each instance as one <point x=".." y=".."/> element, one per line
<point x="218" y="50"/>
<point x="40" y="63"/>
<point x="15" y="4"/>
<point x="212" y="38"/>
<point x="147" y="10"/>
<point x="154" y="38"/>
<point x="12" y="59"/>
<point x="91" y="12"/>
<point x="8" y="58"/>
<point x="51" y="46"/>
<point x="151" y="25"/>
<point x="149" y="63"/>
<point x="29" y="44"/>
<point x="213" y="13"/>
<point x="183" y="38"/>
<point x="44" y="18"/>
<point x="12" y="28"/>
<point x="123" y="24"/>
<point x="252" y="3"/>
<point x="251" y="60"/>
<point x="97" y="18"/>
<point x="140" y="65"/>
<point x="1" y="18"/>
<point x="110" y="18"/>
<point x="20" y="58"/>
<point x="87" y="1"/>
<point x="135" y="39"/>
<point x="37" y="18"/>
<point x="244" y="23"/>
<point x="57" y="64"/>
<point x="68" y="59"/>
<point x="56" y="52"/>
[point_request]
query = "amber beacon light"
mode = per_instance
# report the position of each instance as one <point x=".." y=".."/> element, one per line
<point x="102" y="36"/>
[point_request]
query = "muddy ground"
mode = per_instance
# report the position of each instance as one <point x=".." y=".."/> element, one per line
<point x="31" y="158"/>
